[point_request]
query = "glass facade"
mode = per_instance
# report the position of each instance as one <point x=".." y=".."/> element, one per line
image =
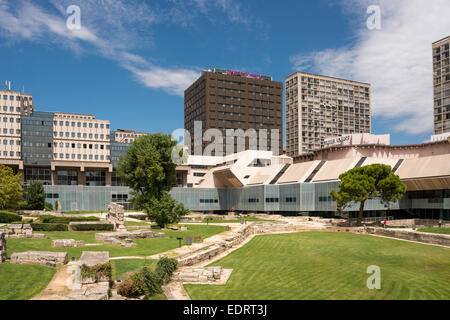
<point x="67" y="177"/>
<point x="296" y="198"/>
<point x="95" y="178"/>
<point x="38" y="174"/>
<point x="37" y="138"/>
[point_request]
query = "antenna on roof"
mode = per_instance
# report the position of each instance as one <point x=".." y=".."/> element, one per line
<point x="8" y="85"/>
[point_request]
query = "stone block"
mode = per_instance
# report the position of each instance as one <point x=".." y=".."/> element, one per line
<point x="92" y="258"/>
<point x="39" y="257"/>
<point x="58" y="243"/>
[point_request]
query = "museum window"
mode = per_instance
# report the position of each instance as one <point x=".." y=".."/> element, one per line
<point x="95" y="178"/>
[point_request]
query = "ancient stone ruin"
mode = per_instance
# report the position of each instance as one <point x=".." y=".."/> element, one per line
<point x="62" y="243"/>
<point x="87" y="287"/>
<point x="2" y="247"/>
<point x="39" y="257"/>
<point x="207" y="274"/>
<point x="21" y="231"/>
<point x="116" y="216"/>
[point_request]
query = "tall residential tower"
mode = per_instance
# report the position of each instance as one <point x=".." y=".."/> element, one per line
<point x="319" y="107"/>
<point x="441" y="85"/>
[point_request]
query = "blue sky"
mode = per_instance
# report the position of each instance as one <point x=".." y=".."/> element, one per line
<point x="131" y="60"/>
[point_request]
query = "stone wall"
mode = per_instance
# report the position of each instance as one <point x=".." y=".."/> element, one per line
<point x="59" y="243"/>
<point x="2" y="247"/>
<point x="116" y="216"/>
<point x="22" y="231"/>
<point x="420" y="223"/>
<point x="39" y="257"/>
<point x="433" y="238"/>
<point x="137" y="234"/>
<point x="198" y="274"/>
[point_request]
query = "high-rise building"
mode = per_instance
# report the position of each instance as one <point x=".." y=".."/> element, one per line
<point x="224" y="99"/>
<point x="441" y="85"/>
<point x="13" y="105"/>
<point x="319" y="107"/>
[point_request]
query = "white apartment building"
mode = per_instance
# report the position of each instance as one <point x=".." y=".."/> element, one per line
<point x="80" y="137"/>
<point x="12" y="106"/>
<point x="318" y="107"/>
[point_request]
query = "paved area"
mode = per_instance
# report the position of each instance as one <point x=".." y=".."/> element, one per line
<point x="57" y="288"/>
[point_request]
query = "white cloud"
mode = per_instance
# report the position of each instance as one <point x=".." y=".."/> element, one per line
<point x="396" y="60"/>
<point x="174" y="81"/>
<point x="112" y="28"/>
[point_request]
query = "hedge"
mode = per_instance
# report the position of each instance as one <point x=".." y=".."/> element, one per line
<point x="49" y="227"/>
<point x="147" y="282"/>
<point x="65" y="220"/>
<point x="92" y="227"/>
<point x="8" y="217"/>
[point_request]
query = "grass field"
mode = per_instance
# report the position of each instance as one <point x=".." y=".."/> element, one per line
<point x="326" y="265"/>
<point x="22" y="281"/>
<point x="145" y="247"/>
<point x="435" y="230"/>
<point x="123" y="268"/>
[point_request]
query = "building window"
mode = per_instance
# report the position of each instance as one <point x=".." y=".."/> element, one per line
<point x="67" y="177"/>
<point x="95" y="178"/>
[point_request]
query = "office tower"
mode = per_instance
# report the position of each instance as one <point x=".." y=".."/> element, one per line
<point x="225" y="99"/>
<point x="441" y="85"/>
<point x="319" y="107"/>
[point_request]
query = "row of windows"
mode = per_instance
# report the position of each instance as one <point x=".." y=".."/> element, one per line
<point x="11" y="109"/>
<point x="209" y="201"/>
<point x="11" y="120"/>
<point x="11" y="154"/>
<point x="11" y="131"/>
<point x="18" y="98"/>
<point x="326" y="199"/>
<point x="85" y="146"/>
<point x="78" y="124"/>
<point x="79" y="156"/>
<point x="11" y="142"/>
<point x="79" y="135"/>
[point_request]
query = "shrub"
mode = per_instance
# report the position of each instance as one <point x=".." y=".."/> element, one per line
<point x="92" y="227"/>
<point x="147" y="282"/>
<point x="8" y="217"/>
<point x="97" y="271"/>
<point x="49" y="227"/>
<point x="48" y="206"/>
<point x="152" y="281"/>
<point x="66" y="220"/>
<point x="127" y="289"/>
<point x="165" y="268"/>
<point x="21" y="205"/>
<point x="36" y="196"/>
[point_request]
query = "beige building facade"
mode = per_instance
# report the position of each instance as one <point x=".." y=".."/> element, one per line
<point x="12" y="106"/>
<point x="441" y="85"/>
<point x="320" y="107"/>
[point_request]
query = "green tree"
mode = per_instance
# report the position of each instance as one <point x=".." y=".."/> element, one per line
<point x="363" y="183"/>
<point x="165" y="210"/>
<point x="11" y="190"/>
<point x="35" y="196"/>
<point x="147" y="167"/>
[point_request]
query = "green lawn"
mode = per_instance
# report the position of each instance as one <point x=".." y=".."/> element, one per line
<point x="327" y="265"/>
<point x="435" y="230"/>
<point x="22" y="281"/>
<point x="145" y="247"/>
<point x="123" y="268"/>
<point x="136" y="223"/>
